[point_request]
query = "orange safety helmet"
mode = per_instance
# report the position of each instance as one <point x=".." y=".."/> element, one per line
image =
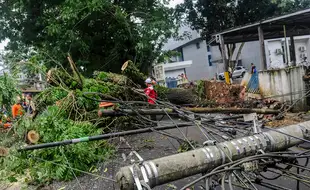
<point x="105" y="104"/>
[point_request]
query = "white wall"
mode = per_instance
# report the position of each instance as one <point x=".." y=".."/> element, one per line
<point x="274" y="60"/>
<point x="199" y="56"/>
<point x="174" y="73"/>
<point x="283" y="82"/>
<point x="249" y="54"/>
<point x="301" y="43"/>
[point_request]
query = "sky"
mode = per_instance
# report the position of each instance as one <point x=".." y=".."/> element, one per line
<point x="173" y="3"/>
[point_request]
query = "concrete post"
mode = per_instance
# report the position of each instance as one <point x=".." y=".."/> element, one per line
<point x="225" y="60"/>
<point x="293" y="50"/>
<point x="286" y="46"/>
<point x="178" y="166"/>
<point x="262" y="48"/>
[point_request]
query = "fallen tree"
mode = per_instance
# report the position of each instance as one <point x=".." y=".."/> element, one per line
<point x="68" y="110"/>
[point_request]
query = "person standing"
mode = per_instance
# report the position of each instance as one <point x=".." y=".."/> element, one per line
<point x="152" y="96"/>
<point x="17" y="109"/>
<point x="253" y="68"/>
<point x="150" y="92"/>
<point x="31" y="108"/>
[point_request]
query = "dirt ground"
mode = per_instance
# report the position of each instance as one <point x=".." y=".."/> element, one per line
<point x="289" y="119"/>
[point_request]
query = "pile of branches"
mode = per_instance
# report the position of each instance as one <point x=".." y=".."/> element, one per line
<point x="67" y="110"/>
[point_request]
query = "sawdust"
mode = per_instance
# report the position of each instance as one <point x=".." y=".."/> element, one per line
<point x="221" y="92"/>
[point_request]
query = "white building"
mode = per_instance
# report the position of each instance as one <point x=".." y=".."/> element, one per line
<point x="191" y="49"/>
<point x="207" y="60"/>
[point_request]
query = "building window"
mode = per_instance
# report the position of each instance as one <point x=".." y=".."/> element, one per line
<point x="178" y="57"/>
<point x="208" y="48"/>
<point x="198" y="45"/>
<point x="209" y="59"/>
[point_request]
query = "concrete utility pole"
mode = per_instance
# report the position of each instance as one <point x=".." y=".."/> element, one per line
<point x="194" y="110"/>
<point x="202" y="160"/>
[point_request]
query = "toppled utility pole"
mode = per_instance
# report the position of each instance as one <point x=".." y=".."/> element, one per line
<point x="202" y="160"/>
<point x="194" y="110"/>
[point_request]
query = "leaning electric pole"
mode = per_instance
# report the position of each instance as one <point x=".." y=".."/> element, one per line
<point x="167" y="169"/>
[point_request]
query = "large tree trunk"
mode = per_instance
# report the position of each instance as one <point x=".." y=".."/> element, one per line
<point x="181" y="96"/>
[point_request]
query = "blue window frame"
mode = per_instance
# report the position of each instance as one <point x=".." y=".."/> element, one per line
<point x="209" y="59"/>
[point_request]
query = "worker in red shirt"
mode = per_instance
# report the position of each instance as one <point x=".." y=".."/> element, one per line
<point x="152" y="95"/>
<point x="150" y="92"/>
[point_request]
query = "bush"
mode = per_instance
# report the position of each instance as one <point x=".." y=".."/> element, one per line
<point x="53" y="163"/>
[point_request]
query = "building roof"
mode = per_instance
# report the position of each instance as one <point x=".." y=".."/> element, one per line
<point x="192" y="37"/>
<point x="297" y="24"/>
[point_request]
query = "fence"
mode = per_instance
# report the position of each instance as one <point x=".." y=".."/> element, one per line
<point x="284" y="85"/>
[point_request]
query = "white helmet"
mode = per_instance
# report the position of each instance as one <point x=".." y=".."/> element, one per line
<point x="148" y="81"/>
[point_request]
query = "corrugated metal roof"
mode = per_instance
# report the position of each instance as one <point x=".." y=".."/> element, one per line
<point x="297" y="24"/>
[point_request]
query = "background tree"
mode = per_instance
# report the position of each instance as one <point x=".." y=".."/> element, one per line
<point x="210" y="16"/>
<point x="99" y="34"/>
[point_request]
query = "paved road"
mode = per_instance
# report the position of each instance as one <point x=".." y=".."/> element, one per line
<point x="149" y="146"/>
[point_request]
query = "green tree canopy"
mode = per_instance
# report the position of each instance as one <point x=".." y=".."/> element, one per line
<point x="99" y="34"/>
<point x="210" y="16"/>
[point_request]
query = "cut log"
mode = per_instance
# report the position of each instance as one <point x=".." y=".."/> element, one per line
<point x="4" y="151"/>
<point x="181" y="96"/>
<point x="33" y="137"/>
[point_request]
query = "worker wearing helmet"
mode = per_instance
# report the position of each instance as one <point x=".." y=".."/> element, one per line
<point x="152" y="95"/>
<point x="150" y="92"/>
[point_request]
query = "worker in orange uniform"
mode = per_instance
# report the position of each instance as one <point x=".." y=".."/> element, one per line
<point x="17" y="109"/>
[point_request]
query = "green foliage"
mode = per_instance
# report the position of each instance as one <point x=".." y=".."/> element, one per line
<point x="200" y="90"/>
<point x="50" y="96"/>
<point x="99" y="34"/>
<point x="8" y="90"/>
<point x="185" y="146"/>
<point x="25" y="61"/>
<point x="52" y="125"/>
<point x="161" y="92"/>
<point x="65" y="113"/>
